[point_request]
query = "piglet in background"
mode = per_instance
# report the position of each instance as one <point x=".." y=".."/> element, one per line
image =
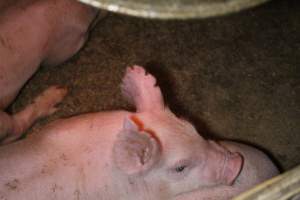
<point x="34" y="32"/>
<point x="149" y="154"/>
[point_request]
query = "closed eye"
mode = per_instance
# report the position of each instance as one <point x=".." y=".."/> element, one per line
<point x="181" y="166"/>
<point x="180" y="169"/>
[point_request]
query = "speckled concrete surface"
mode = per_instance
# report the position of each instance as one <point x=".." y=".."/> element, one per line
<point x="235" y="77"/>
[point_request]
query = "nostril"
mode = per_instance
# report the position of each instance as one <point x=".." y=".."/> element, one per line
<point x="233" y="168"/>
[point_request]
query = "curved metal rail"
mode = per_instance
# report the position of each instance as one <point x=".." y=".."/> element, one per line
<point x="283" y="187"/>
<point x="174" y="9"/>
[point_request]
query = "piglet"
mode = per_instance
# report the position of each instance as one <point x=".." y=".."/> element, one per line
<point x="35" y="32"/>
<point x="149" y="154"/>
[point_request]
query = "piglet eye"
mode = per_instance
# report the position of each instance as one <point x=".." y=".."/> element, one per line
<point x="180" y="168"/>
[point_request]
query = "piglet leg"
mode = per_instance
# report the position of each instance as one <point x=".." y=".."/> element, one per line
<point x="140" y="89"/>
<point x="12" y="127"/>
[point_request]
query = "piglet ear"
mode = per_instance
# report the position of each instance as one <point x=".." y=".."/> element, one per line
<point x="140" y="89"/>
<point x="135" y="151"/>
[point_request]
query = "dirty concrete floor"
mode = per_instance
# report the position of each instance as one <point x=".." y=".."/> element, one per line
<point x="235" y="77"/>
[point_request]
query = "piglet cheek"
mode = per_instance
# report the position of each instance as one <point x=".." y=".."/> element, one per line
<point x="232" y="168"/>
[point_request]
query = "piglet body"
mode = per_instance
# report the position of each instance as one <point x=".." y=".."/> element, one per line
<point x="144" y="155"/>
<point x="34" y="32"/>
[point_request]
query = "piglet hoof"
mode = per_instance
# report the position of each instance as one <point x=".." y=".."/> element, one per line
<point x="140" y="88"/>
<point x="45" y="103"/>
<point x="42" y="106"/>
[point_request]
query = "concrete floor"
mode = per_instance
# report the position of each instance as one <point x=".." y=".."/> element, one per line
<point x="235" y="77"/>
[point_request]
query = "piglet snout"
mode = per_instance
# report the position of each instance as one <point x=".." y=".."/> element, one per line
<point x="233" y="167"/>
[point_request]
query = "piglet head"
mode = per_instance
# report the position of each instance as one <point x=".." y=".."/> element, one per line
<point x="164" y="150"/>
<point x="171" y="153"/>
<point x="190" y="161"/>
